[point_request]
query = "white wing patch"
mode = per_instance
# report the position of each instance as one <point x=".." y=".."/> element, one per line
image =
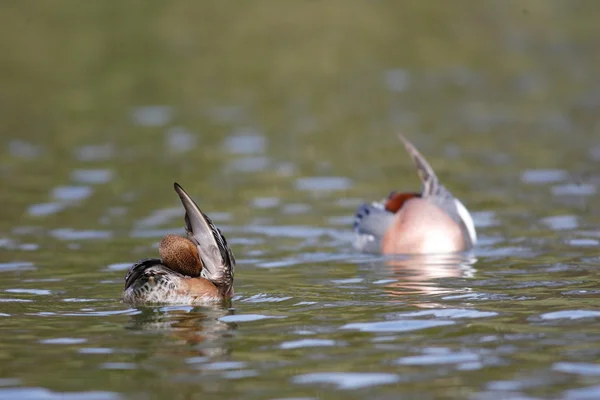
<point x="467" y="219"/>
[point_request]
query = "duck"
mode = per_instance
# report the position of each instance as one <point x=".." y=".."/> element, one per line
<point x="196" y="269"/>
<point x="431" y="221"/>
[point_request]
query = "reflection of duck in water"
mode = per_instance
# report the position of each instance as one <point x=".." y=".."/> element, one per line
<point x="196" y="326"/>
<point x="195" y="270"/>
<point x="426" y="273"/>
<point x="433" y="221"/>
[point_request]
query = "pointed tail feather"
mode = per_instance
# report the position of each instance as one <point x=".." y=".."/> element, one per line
<point x="431" y="184"/>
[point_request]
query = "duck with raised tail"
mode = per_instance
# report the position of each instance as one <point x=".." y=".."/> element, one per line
<point x="432" y="221"/>
<point x="198" y="269"/>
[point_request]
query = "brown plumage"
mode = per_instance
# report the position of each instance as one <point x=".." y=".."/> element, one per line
<point x="397" y="200"/>
<point x="193" y="270"/>
<point x="180" y="255"/>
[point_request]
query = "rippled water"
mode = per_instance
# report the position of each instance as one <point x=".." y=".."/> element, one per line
<point x="279" y="137"/>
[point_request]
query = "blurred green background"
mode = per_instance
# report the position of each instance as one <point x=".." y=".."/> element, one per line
<point x="326" y="82"/>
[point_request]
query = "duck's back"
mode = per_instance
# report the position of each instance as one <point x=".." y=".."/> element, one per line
<point x="149" y="281"/>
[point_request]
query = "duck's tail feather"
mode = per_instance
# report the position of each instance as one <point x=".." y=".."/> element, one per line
<point x="431" y="184"/>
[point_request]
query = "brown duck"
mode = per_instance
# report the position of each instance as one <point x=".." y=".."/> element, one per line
<point x="194" y="270"/>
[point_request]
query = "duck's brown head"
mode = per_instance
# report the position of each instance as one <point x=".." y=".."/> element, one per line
<point x="395" y="201"/>
<point x="217" y="260"/>
<point x="180" y="255"/>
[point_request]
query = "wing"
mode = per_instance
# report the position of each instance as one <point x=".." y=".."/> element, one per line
<point x="141" y="270"/>
<point x="217" y="257"/>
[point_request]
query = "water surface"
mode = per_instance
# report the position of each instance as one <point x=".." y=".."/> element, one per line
<point x="279" y="119"/>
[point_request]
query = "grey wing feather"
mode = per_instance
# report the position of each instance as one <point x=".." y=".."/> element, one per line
<point x="221" y="248"/>
<point x="214" y="251"/>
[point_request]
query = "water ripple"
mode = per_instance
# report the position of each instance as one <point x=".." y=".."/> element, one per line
<point x="39" y="292"/>
<point x="65" y="340"/>
<point x="323" y="183"/>
<point x="43" y="209"/>
<point x="180" y="140"/>
<point x="72" y="193"/>
<point x="577" y="368"/>
<point x="93" y="313"/>
<point x="246" y="141"/>
<point x="544" y="176"/>
<point x="152" y="116"/>
<point x="95" y="152"/>
<point x="17" y="266"/>
<point x="224" y="365"/>
<point x="96" y="350"/>
<point x="561" y="222"/>
<point x="585" y="189"/>
<point x="118" y="266"/>
<point x="436" y="359"/>
<point x="449" y="313"/>
<point x="263" y="298"/>
<point x="347" y="380"/>
<point x="297" y="344"/>
<point x="118" y="365"/>
<point x="247" y="317"/>
<point x="92" y="176"/>
<point x="570" y="314"/>
<point x="396" y="326"/>
<point x="36" y="393"/>
<point x="73" y="234"/>
<point x="588" y="393"/>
